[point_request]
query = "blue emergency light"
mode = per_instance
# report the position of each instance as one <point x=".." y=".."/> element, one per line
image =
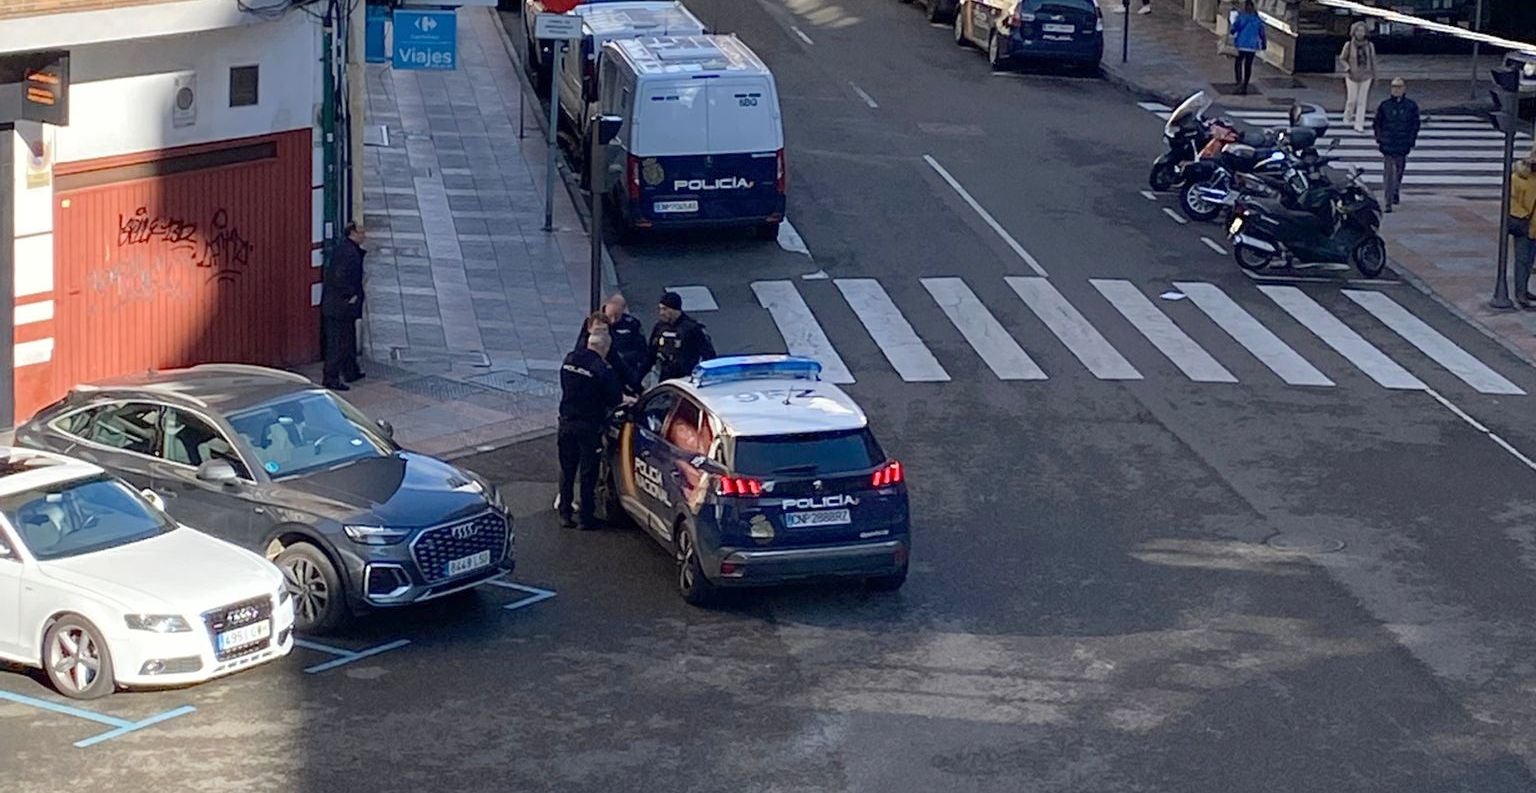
<point x="755" y="367"/>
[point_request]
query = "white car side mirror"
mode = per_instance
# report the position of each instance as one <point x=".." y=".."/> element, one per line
<point x="153" y="498"/>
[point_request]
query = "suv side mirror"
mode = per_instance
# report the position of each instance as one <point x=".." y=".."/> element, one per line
<point x="7" y="553"/>
<point x="218" y="472"/>
<point x="707" y="465"/>
<point x="387" y="428"/>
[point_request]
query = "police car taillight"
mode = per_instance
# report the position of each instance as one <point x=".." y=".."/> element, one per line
<point x="781" y="178"/>
<point x="739" y="486"/>
<point x="889" y="474"/>
<point x="632" y="177"/>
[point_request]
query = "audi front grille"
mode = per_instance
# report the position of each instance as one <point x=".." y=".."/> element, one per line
<point x="434" y="548"/>
<point x="238" y="615"/>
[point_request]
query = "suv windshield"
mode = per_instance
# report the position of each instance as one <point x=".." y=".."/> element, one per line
<point x="81" y="516"/>
<point x="308" y="432"/>
<point x="808" y="454"/>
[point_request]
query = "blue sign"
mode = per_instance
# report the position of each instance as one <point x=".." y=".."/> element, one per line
<point x="376" y="46"/>
<point x="426" y="40"/>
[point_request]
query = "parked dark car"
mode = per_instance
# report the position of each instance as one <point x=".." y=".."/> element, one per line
<point x="270" y="461"/>
<point x="1011" y="31"/>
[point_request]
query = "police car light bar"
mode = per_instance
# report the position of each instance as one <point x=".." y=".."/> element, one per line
<point x="755" y="367"/>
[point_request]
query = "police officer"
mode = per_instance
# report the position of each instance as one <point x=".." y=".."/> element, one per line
<point x="678" y="342"/>
<point x="627" y="358"/>
<point x="589" y="391"/>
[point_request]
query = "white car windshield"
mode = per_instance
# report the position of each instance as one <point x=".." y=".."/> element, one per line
<point x="308" y="432"/>
<point x="80" y="517"/>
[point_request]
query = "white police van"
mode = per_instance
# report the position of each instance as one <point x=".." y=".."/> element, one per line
<point x="701" y="142"/>
<point x="602" y="23"/>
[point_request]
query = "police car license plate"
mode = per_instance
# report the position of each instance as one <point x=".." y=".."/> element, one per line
<point x="469" y="563"/>
<point x="1058" y="28"/>
<point x="239" y="637"/>
<point x="676" y="206"/>
<point x="826" y="517"/>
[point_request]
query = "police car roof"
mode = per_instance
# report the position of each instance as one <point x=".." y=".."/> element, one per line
<point x="757" y="407"/>
<point x="605" y="20"/>
<point x="664" y="55"/>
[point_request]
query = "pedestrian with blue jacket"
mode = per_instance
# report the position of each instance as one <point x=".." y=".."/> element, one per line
<point x="1249" y="38"/>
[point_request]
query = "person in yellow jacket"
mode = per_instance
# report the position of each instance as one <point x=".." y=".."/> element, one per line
<point x="1521" y="227"/>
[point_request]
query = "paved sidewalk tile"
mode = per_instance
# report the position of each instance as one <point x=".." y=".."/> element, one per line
<point x="471" y="304"/>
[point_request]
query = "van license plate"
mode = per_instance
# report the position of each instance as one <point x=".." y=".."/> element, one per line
<point x="249" y="634"/>
<point x="469" y="563"/>
<point x="1058" y="28"/>
<point x="828" y="517"/>
<point x="676" y="206"/>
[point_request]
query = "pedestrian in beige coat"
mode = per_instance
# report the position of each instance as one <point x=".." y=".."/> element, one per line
<point x="1358" y="61"/>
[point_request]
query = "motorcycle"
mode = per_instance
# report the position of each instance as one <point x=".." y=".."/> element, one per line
<point x="1186" y="132"/>
<point x="1330" y="225"/>
<point x="1286" y="172"/>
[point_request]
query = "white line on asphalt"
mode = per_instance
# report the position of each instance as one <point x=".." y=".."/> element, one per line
<point x="1249" y="332"/>
<point x="1155" y="107"/>
<point x="1307" y="279"/>
<point x="1342" y="338"/>
<point x="1191" y="358"/>
<point x="985" y="216"/>
<point x="790" y="239"/>
<point x="868" y="100"/>
<point x="1475" y="424"/>
<point x="696" y="298"/>
<point x="801" y="34"/>
<point x="1213" y="245"/>
<point x="986" y="335"/>
<point x="1149" y="195"/>
<point x="891" y="331"/>
<point x="1430" y="342"/>
<point x="802" y="333"/>
<point x="1073" y="329"/>
<point x="1177" y="218"/>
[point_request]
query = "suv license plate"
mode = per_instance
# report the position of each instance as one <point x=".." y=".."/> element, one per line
<point x="1058" y="28"/>
<point x="239" y="637"/>
<point x="676" y="206"/>
<point x="469" y="563"/>
<point x="828" y="517"/>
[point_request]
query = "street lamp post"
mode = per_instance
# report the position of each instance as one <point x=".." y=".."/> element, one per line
<point x="603" y="129"/>
<point x="1506" y="117"/>
<point x="1125" y="33"/>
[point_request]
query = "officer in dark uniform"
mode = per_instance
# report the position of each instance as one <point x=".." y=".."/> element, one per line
<point x="589" y="391"/>
<point x="627" y="358"/>
<point x="341" y="306"/>
<point x="678" y="342"/>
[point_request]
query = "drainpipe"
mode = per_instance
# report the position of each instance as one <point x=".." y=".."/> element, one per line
<point x="7" y="278"/>
<point x="357" y="93"/>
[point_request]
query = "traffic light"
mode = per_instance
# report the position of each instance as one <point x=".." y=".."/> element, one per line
<point x="1506" y="100"/>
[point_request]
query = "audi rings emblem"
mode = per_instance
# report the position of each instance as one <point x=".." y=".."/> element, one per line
<point x="245" y="614"/>
<point x="464" y="532"/>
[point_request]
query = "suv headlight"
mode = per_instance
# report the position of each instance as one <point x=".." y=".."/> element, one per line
<point x="157" y="623"/>
<point x="375" y="535"/>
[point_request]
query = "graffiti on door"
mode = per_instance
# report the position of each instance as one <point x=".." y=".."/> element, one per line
<point x="217" y="246"/>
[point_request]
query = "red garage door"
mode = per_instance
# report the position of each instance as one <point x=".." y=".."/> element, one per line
<point x="188" y="256"/>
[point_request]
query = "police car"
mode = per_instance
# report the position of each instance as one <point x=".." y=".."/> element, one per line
<point x="753" y="471"/>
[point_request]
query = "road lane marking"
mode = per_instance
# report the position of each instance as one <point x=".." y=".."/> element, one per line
<point x="1430" y="342"/>
<point x="868" y="100"/>
<point x="1477" y="425"/>
<point x="1177" y="218"/>
<point x="1214" y="245"/>
<point x="789" y="239"/>
<point x="1191" y="358"/>
<point x="1074" y="330"/>
<point x="696" y="298"/>
<point x="1149" y="195"/>
<point x="802" y="333"/>
<point x="1344" y="340"/>
<point x="985" y="216"/>
<point x="987" y="336"/>
<point x="891" y="331"/>
<point x="1257" y="339"/>
<point x="801" y="34"/>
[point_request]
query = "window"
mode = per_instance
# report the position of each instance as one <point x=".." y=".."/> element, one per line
<point x="81" y="516"/>
<point x="809" y="453"/>
<point x="131" y="426"/>
<point x="188" y="440"/>
<point x="653" y="414"/>
<point x="244" y="85"/>
<point x="308" y="432"/>
<point x="683" y="429"/>
<point x="76" y="423"/>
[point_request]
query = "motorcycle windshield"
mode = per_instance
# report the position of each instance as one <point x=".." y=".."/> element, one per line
<point x="1195" y="105"/>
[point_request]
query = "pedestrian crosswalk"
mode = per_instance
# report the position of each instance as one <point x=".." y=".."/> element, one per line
<point x="1027" y="344"/>
<point x="1456" y="154"/>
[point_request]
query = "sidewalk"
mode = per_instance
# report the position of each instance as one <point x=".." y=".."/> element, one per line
<point x="471" y="305"/>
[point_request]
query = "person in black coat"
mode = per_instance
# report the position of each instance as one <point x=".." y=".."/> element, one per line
<point x="1397" y="131"/>
<point x="627" y="356"/>
<point x="678" y="341"/>
<point x="341" y="306"/>
<point x="589" y="391"/>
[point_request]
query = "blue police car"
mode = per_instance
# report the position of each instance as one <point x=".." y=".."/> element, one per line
<point x="1009" y="31"/>
<point x="754" y="472"/>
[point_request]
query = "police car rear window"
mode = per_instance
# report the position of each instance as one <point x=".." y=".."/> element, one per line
<point x="808" y="454"/>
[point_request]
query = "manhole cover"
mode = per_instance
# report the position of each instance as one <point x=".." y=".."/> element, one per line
<point x="1304" y="543"/>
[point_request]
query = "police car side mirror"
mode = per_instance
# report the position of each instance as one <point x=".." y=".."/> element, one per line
<point x="707" y="465"/>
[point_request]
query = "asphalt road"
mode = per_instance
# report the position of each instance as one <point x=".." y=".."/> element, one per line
<point x="1154" y="584"/>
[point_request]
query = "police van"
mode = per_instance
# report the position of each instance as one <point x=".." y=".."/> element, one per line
<point x="752" y="472"/>
<point x="701" y="142"/>
<point x="602" y="23"/>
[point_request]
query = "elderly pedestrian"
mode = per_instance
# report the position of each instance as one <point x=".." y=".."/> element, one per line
<point x="1358" y="57"/>
<point x="1396" y="127"/>
<point x="341" y="306"/>
<point x="1521" y="227"/>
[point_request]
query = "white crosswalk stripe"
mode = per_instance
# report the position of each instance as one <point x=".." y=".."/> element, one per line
<point x="1249" y="332"/>
<point x="802" y="333"/>
<point x="1074" y="330"/>
<point x="1191" y="358"/>
<point x="1341" y="338"/>
<point x="986" y="335"/>
<point x="891" y="331"/>
<point x="1432" y="343"/>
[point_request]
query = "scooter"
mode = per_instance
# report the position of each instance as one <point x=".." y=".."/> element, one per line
<point x="1286" y="172"/>
<point x="1329" y="225"/>
<point x="1185" y="134"/>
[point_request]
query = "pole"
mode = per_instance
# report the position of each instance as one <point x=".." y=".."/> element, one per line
<point x="1125" y="33"/>
<point x="595" y="166"/>
<point x="1477" y="27"/>
<point x="8" y="195"/>
<point x="328" y="127"/>
<point x="357" y="92"/>
<point x="1501" y="290"/>
<point x="557" y="49"/>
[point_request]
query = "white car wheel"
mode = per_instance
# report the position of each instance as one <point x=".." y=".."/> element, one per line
<point x="77" y="660"/>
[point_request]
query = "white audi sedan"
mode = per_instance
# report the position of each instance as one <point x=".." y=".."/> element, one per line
<point x="101" y="589"/>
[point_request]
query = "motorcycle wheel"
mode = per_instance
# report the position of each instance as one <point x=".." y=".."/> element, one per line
<point x="1369" y="256"/>
<point x="1250" y="258"/>
<point x="1196" y="208"/>
<point x="1163" y="176"/>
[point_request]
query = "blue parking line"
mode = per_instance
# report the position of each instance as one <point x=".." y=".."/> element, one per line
<point x="135" y="726"/>
<point x="535" y="595"/>
<point x="120" y="727"/>
<point x="348" y="656"/>
<point x="324" y="648"/>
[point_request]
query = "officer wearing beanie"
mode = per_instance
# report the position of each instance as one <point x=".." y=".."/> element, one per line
<point x="678" y="341"/>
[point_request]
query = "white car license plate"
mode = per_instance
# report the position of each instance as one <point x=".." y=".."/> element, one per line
<point x="1058" y="28"/>
<point x="676" y="206"/>
<point x="1237" y="225"/>
<point x="828" y="517"/>
<point x="469" y="563"/>
<point x="248" y="634"/>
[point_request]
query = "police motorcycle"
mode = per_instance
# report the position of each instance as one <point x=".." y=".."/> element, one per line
<point x="1284" y="165"/>
<point x="1329" y="224"/>
<point x="1186" y="132"/>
